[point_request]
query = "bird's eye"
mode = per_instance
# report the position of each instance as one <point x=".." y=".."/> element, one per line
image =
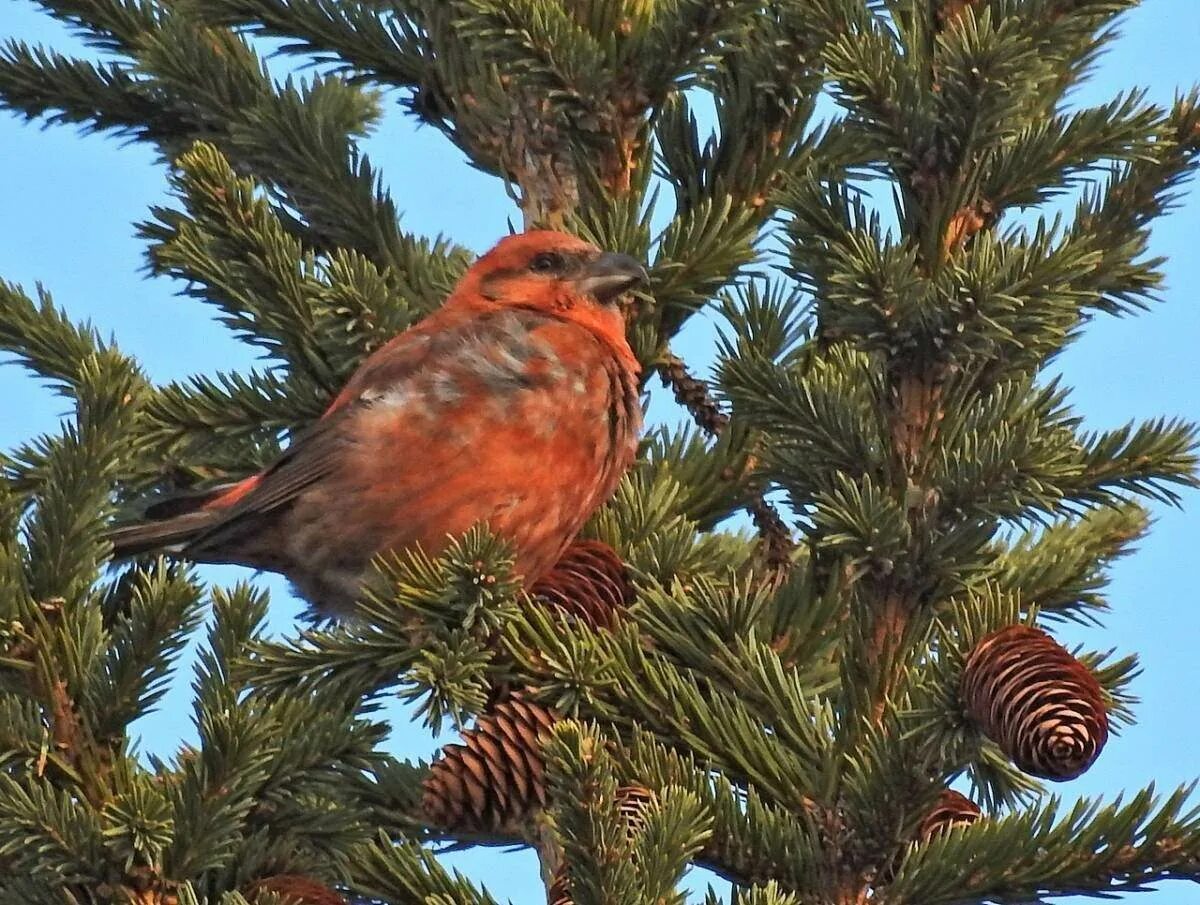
<point x="547" y="262"/>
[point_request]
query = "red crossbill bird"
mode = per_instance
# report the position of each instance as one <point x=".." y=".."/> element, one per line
<point x="515" y="404"/>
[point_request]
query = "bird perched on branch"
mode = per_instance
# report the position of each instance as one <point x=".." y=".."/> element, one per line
<point x="515" y="404"/>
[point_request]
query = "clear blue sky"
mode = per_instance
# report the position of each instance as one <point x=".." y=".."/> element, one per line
<point x="69" y="203"/>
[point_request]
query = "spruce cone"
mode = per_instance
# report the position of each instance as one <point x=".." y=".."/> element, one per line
<point x="693" y="394"/>
<point x="297" y="889"/>
<point x="559" y="892"/>
<point x="492" y="782"/>
<point x="1043" y="707"/>
<point x="953" y="809"/>
<point x="632" y="801"/>
<point x="589" y="582"/>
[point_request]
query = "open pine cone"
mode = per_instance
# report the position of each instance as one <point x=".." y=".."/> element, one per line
<point x="589" y="582"/>
<point x="1043" y="707"/>
<point x="297" y="889"/>
<point x="494" y="780"/>
<point x="632" y="801"/>
<point x="952" y="809"/>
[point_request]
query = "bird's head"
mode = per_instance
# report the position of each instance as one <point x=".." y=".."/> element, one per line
<point x="557" y="273"/>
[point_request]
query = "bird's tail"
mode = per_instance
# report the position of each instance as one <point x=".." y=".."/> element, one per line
<point x="168" y="526"/>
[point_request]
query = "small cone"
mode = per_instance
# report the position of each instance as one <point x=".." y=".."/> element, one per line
<point x="952" y="809"/>
<point x="589" y="582"/>
<point x="297" y="889"/>
<point x="1043" y="707"/>
<point x="493" y="782"/>
<point x="632" y="802"/>
<point x="557" y="892"/>
<point x="949" y="10"/>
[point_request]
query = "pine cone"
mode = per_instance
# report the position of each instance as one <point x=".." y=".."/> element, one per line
<point x="589" y="582"/>
<point x="559" y="891"/>
<point x="949" y="10"/>
<point x="1043" y="707"/>
<point x="953" y="809"/>
<point x="493" y="782"/>
<point x="632" y="801"/>
<point x="297" y="889"/>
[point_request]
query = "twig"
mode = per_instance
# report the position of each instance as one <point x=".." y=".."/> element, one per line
<point x="693" y="394"/>
<point x="773" y="530"/>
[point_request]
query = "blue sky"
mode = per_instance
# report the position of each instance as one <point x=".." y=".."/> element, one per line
<point x="70" y="202"/>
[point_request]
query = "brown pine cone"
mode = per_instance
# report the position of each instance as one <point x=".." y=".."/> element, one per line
<point x="1043" y="707"/>
<point x="559" y="891"/>
<point x="297" y="889"/>
<point x="632" y="802"/>
<point x="952" y="809"/>
<point x="589" y="582"/>
<point x="494" y="781"/>
<point x="949" y="10"/>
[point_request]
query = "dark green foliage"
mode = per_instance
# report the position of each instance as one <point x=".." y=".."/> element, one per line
<point x="891" y="285"/>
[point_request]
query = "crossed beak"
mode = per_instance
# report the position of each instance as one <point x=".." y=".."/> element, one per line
<point x="611" y="274"/>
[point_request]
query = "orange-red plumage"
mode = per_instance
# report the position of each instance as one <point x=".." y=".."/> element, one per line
<point x="514" y="404"/>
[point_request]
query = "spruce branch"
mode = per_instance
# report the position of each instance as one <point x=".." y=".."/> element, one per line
<point x="649" y="522"/>
<point x="56" y="661"/>
<point x="45" y="340"/>
<point x="49" y="836"/>
<point x="403" y="871"/>
<point x="272" y="783"/>
<point x="605" y="842"/>
<point x="355" y="37"/>
<point x="1091" y="848"/>
<point x="419" y="610"/>
<point x="235" y="252"/>
<point x="1062" y="570"/>
<point x="1066" y="150"/>
<point x="1117" y="216"/>
<point x="686" y="707"/>
<point x="111" y="25"/>
<point x="752" y="840"/>
<point x="150" y="615"/>
<point x="827" y="413"/>
<point x="297" y="138"/>
<point x="710" y="475"/>
<point x="204" y="411"/>
<point x="37" y="83"/>
<point x="1147" y="459"/>
<point x="715" y="626"/>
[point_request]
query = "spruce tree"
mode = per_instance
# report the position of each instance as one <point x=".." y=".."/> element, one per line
<point x="835" y="586"/>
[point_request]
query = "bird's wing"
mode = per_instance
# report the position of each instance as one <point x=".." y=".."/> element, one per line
<point x="316" y="452"/>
